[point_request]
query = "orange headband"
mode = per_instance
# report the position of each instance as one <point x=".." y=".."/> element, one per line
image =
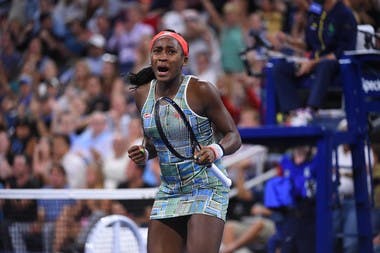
<point x="174" y="35"/>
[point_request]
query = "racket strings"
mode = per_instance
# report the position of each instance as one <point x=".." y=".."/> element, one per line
<point x="175" y="129"/>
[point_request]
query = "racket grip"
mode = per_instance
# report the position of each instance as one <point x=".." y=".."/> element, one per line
<point x="219" y="174"/>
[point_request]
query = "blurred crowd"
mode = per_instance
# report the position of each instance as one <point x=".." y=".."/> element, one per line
<point x="66" y="108"/>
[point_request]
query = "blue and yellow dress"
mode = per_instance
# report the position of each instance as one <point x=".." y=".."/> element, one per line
<point x="186" y="187"/>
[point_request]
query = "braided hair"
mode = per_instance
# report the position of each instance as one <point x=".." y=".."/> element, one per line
<point x="144" y="76"/>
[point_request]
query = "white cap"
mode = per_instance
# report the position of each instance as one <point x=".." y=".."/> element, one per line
<point x="97" y="40"/>
<point x="190" y="14"/>
<point x="342" y="126"/>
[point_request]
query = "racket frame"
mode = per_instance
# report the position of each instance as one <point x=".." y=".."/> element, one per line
<point x="194" y="142"/>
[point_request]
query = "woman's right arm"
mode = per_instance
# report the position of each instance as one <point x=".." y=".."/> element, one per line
<point x="141" y="153"/>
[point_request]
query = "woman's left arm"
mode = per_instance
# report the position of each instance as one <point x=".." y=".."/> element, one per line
<point x="205" y="99"/>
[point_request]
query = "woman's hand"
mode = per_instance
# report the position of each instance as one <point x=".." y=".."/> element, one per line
<point x="138" y="154"/>
<point x="204" y="156"/>
<point x="208" y="154"/>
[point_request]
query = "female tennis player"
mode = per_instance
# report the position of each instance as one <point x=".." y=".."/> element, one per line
<point x="190" y="207"/>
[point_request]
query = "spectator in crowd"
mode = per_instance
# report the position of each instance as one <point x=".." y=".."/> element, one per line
<point x="101" y="24"/>
<point x="253" y="57"/>
<point x="65" y="123"/>
<point x="21" y="35"/>
<point x="329" y="33"/>
<point x="50" y="209"/>
<point x="4" y="88"/>
<point x="118" y="117"/>
<point x="205" y="69"/>
<point x="40" y="111"/>
<point x="111" y="79"/>
<point x="272" y="15"/>
<point x="24" y="136"/>
<point x="173" y="17"/>
<point x="32" y="59"/>
<point x="366" y="12"/>
<point x="92" y="9"/>
<point x="252" y="232"/>
<point x="231" y="35"/>
<point x="10" y="58"/>
<point x="94" y="143"/>
<point x="78" y="107"/>
<point x="42" y="159"/>
<point x="129" y="31"/>
<point x="25" y="94"/>
<point x="52" y="44"/>
<point x="19" y="215"/>
<point x="96" y="99"/>
<point x="142" y="54"/>
<point x="116" y="162"/>
<point x="239" y="92"/>
<point x="77" y="36"/>
<point x="65" y="11"/>
<point x="249" y="117"/>
<point x="96" y="47"/>
<point x="151" y="16"/>
<point x="5" y="156"/>
<point x="9" y="112"/>
<point x="74" y="165"/>
<point x="49" y="75"/>
<point x="204" y="60"/>
<point x="76" y="77"/>
<point x="94" y="176"/>
<point x="291" y="197"/>
<point x="297" y="14"/>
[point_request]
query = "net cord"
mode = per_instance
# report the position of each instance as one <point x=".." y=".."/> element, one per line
<point x="135" y="193"/>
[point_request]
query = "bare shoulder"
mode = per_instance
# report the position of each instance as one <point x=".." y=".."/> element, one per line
<point x="201" y="95"/>
<point x="202" y="87"/>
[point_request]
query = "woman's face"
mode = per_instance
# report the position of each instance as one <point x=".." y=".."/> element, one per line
<point x="167" y="59"/>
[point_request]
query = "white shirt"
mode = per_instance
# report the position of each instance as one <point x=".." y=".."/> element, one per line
<point x="346" y="186"/>
<point x="114" y="170"/>
<point x="75" y="168"/>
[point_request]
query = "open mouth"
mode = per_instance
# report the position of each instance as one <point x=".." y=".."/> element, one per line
<point x="162" y="70"/>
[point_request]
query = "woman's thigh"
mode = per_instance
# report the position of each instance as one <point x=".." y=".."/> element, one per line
<point x="167" y="235"/>
<point x="204" y="234"/>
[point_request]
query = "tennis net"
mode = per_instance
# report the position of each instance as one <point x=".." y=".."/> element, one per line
<point x="74" y="220"/>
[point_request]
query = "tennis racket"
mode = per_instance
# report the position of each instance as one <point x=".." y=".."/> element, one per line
<point x="168" y="113"/>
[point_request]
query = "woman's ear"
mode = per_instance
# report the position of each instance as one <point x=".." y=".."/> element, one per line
<point x="185" y="60"/>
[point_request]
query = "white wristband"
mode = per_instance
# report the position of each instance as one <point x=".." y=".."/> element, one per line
<point x="218" y="151"/>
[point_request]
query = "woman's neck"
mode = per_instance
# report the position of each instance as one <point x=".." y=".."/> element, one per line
<point x="169" y="89"/>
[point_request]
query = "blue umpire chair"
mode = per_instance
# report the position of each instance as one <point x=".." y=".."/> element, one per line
<point x="360" y="77"/>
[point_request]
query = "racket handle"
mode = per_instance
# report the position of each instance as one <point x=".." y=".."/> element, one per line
<point x="219" y="174"/>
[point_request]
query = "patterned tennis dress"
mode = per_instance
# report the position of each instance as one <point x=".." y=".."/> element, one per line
<point x="186" y="188"/>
